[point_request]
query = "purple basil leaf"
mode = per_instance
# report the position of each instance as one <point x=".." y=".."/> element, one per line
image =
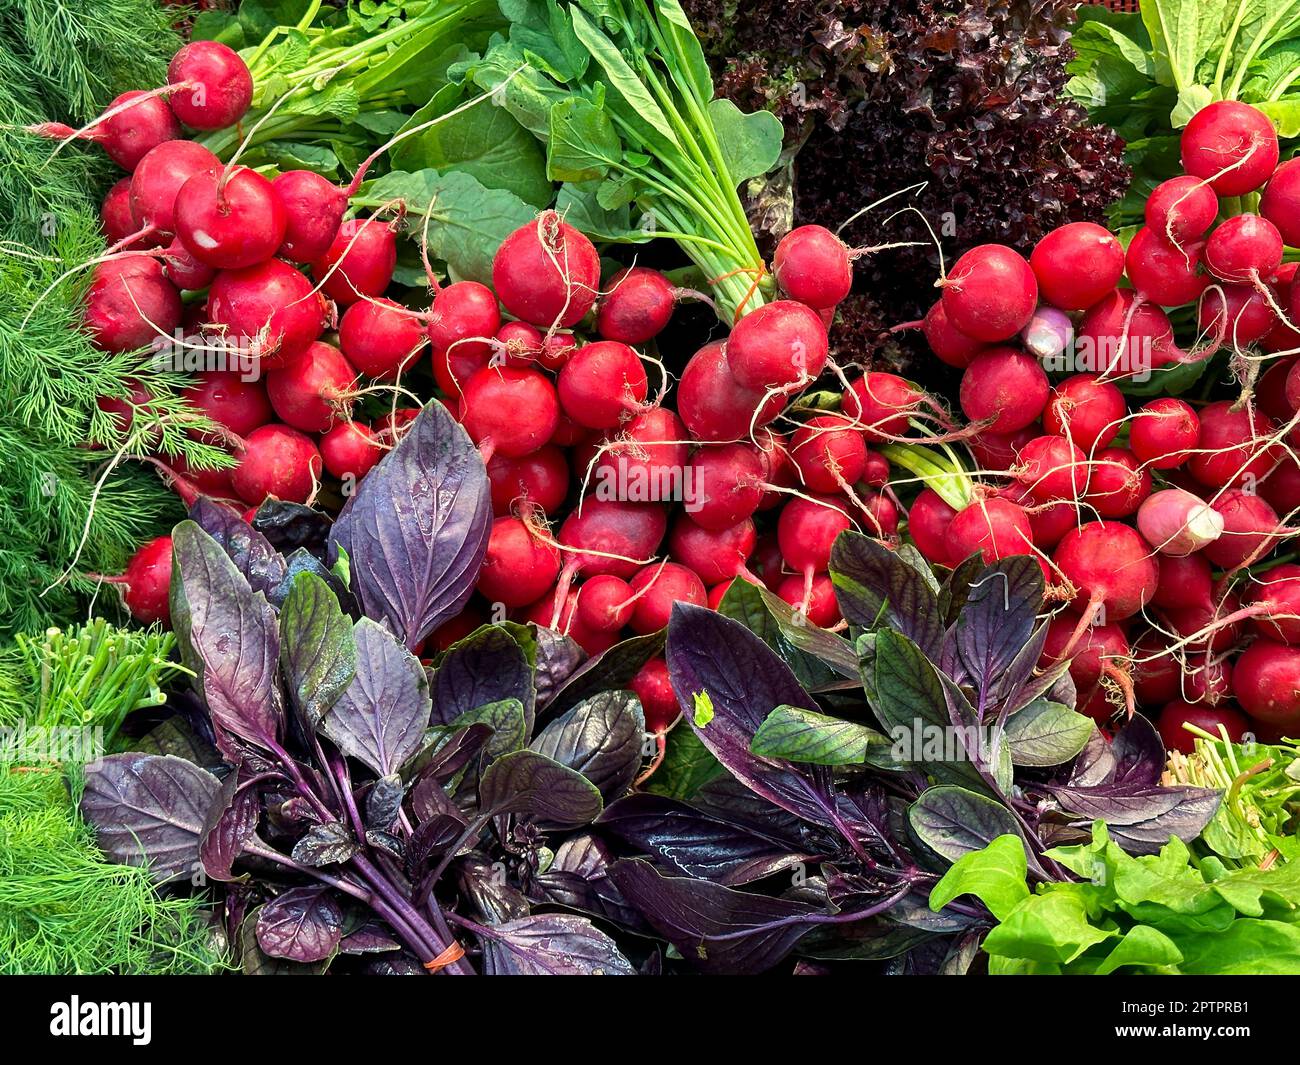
<point x="317" y="650"/>
<point x="290" y="527"/>
<point x="256" y="962"/>
<point x="953" y="821"/>
<point x="149" y="810"/>
<point x="600" y="738"/>
<point x="390" y="844"/>
<point x="380" y="718"/>
<point x="487" y="666"/>
<point x="326" y="844"/>
<point x="578" y="879"/>
<point x="1142" y="818"/>
<point x="682" y="838"/>
<point x="305" y="924"/>
<point x="416" y="531"/>
<point x="608" y="670"/>
<point x="231" y="822"/>
<point x="249" y="550"/>
<point x="1139" y="753"/>
<point x="695" y="916"/>
<point x="727" y="799"/>
<point x="302" y="562"/>
<point x="398" y="965"/>
<point x="876" y="587"/>
<point x="558" y="658"/>
<point x="371" y="938"/>
<point x="552" y="944"/>
<point x="727" y="681"/>
<point x="232" y="632"/>
<point x="383" y="801"/>
<point x="530" y="784"/>
<point x="431" y="837"/>
<point x="1095" y="764"/>
<point x="995" y="624"/>
<point x="492" y="896"/>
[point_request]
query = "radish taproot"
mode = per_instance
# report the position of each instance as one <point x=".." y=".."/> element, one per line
<point x="547" y="273"/>
<point x="1076" y="265"/>
<point x="380" y="337"/>
<point x="636" y="307"/>
<point x="130" y="303"/>
<point x="277" y="462"/>
<point x="509" y="411"/>
<point x="603" y="384"/>
<point x="229" y="219"/>
<point x="359" y="262"/>
<point x="1005" y="388"/>
<point x="782" y="344"/>
<point x="267" y="311"/>
<point x="313" y="389"/>
<point x="520" y="564"/>
<point x="813" y="267"/>
<point x="211" y="85"/>
<point x="990" y="293"/>
<point x="1231" y="145"/>
<point x="1164" y="433"/>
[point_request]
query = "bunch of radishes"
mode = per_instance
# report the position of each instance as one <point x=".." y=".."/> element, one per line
<point x="1163" y="515"/>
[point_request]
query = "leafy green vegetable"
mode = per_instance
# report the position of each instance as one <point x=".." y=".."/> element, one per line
<point x="1164" y="913"/>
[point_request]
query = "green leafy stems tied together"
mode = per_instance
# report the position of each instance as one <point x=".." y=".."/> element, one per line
<point x="621" y="94"/>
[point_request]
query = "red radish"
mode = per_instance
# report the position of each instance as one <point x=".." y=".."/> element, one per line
<point x="157" y="179"/>
<point x="654" y="688"/>
<point x="396" y="424"/>
<point x="183" y="270"/>
<point x="1099" y="707"/>
<point x="212" y="85"/>
<point x="1280" y="203"/>
<point x="1238" y="314"/>
<point x="1233" y="446"/>
<point x="1244" y="248"/>
<point x="813" y="267"/>
<point x="350" y="450"/>
<point x="830" y="454"/>
<point x="147" y="582"/>
<point x="1207" y="680"/>
<point x="1164" y="432"/>
<point x="636" y="307"/>
<point x="1176" y="713"/>
<point x="569" y="433"/>
<point x="313" y="389"/>
<point x="130" y="303"/>
<point x="806" y="530"/>
<point x="1048" y="334"/>
<point x="1181" y="209"/>
<point x="990" y="293"/>
<point x="1122" y="335"/>
<point x="947" y="341"/>
<point x="727" y="487"/>
<point x="719" y="592"/>
<point x="187" y="481"/>
<point x="1250" y="528"/>
<point x="1275" y="595"/>
<point x="1283" y="337"/>
<point x="1164" y="273"/>
<point x="779" y="345"/>
<point x="649" y="451"/>
<point x="1077" y="265"/>
<point x="1103" y="651"/>
<point x="123" y="408"/>
<point x="547" y="273"/>
<point x="994" y="528"/>
<point x="1281" y="487"/>
<point x="605" y="603"/>
<point x="380" y="337"/>
<point x="229" y="220"/>
<point x="712" y="403"/>
<point x="313" y="209"/>
<point x="520" y="565"/>
<point x="818" y="603"/>
<point x="360" y="261"/>
<point x="593" y="641"/>
<point x="1157" y="672"/>
<point x="519" y="343"/>
<point x="1004" y="387"/>
<point x="1086" y="410"/>
<point x="1110" y="566"/>
<point x="876" y="471"/>
<point x="881" y="404"/>
<point x="1177" y="523"/>
<point x="604" y="528"/>
<point x="1231" y="145"/>
<point x="1052" y="468"/>
<point x="462" y="324"/>
<point x="231" y="401"/>
<point x="115" y="218"/>
<point x="557" y="349"/>
<point x="602" y="384"/>
<point x="1117" y="484"/>
<point x="268" y="310"/>
<point x="132" y="125"/>
<point x="880" y="515"/>
<point x="1264" y="677"/>
<point x="715" y="554"/>
<point x="453" y="631"/>
<point x="541" y="477"/>
<point x="1051" y="521"/>
<point x="277" y="462"/>
<point x="766" y="562"/>
<point x="1000" y="451"/>
<point x="780" y="471"/>
<point x="657" y="587"/>
<point x="1215" y="624"/>
<point x="509" y="411"/>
